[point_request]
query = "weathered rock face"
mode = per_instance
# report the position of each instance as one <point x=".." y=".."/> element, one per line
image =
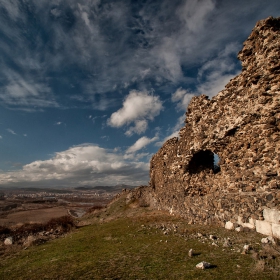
<point x="242" y="126"/>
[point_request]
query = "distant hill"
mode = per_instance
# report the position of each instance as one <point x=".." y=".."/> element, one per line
<point x="106" y="188"/>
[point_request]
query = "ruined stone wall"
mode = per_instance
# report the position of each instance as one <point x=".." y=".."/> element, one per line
<point x="242" y="126"/>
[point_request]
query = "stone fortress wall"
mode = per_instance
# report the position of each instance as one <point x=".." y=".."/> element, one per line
<point x="242" y="126"/>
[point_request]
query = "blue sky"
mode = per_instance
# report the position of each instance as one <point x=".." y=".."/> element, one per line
<point x="90" y="89"/>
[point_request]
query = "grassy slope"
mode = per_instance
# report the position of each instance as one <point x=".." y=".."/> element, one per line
<point x="127" y="243"/>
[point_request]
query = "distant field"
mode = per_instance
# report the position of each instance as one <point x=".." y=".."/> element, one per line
<point x="33" y="216"/>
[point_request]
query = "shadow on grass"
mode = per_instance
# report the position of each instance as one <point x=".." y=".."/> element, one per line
<point x="196" y="254"/>
<point x="212" y="266"/>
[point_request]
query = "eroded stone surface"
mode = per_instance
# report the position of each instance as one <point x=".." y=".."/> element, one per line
<point x="242" y="126"/>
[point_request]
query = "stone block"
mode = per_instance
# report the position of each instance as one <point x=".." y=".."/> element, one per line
<point x="248" y="225"/>
<point x="263" y="227"/>
<point x="276" y="230"/>
<point x="229" y="225"/>
<point x="251" y="224"/>
<point x="8" y="241"/>
<point x="271" y="215"/>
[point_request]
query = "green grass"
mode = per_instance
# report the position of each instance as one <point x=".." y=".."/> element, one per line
<point x="130" y="247"/>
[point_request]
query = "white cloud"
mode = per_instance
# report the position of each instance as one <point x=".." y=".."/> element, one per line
<point x="58" y="123"/>
<point x="216" y="73"/>
<point x="213" y="86"/>
<point x="175" y="130"/>
<point x="1" y="137"/>
<point x="140" y="127"/>
<point x="136" y="156"/>
<point x="112" y="46"/>
<point x="26" y="93"/>
<point x="182" y="97"/>
<point x="11" y="131"/>
<point x="84" y="164"/>
<point x="212" y="77"/>
<point x="12" y="8"/>
<point x="140" y="144"/>
<point x="194" y="14"/>
<point x="138" y="107"/>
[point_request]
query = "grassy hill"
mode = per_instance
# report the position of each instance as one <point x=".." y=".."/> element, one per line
<point x="131" y="242"/>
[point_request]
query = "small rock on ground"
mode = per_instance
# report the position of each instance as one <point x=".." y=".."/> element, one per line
<point x="203" y="265"/>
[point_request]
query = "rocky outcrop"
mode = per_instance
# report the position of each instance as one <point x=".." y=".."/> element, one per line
<point x="240" y="126"/>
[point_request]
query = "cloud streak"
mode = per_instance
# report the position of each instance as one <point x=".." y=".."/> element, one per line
<point x="140" y="144"/>
<point x="11" y="131"/>
<point x="110" y="46"/>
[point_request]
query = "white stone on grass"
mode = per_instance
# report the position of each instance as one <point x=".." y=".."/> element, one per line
<point x="271" y="239"/>
<point x="203" y="265"/>
<point x="265" y="240"/>
<point x="251" y="224"/>
<point x="246" y="249"/>
<point x="239" y="229"/>
<point x="29" y="241"/>
<point x="8" y="241"/>
<point x="190" y="252"/>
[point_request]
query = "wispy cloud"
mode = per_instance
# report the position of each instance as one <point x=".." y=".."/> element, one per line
<point x="182" y="97"/>
<point x="23" y="92"/>
<point x="113" y="46"/>
<point x="174" y="131"/>
<point x="212" y="77"/>
<point x="11" y="131"/>
<point x="140" y="144"/>
<point x="217" y="72"/>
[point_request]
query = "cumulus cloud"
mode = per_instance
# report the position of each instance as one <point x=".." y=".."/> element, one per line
<point x="80" y="165"/>
<point x="140" y="127"/>
<point x="140" y="144"/>
<point x="138" y="107"/>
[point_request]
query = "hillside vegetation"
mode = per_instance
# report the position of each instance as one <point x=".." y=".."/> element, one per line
<point x="125" y="241"/>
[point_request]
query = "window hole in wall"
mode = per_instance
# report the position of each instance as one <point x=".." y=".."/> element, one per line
<point x="216" y="166"/>
<point x="204" y="160"/>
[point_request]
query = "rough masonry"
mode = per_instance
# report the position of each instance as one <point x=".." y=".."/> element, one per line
<point x="241" y="125"/>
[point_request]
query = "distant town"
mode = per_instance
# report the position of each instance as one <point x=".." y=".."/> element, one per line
<point x="29" y="205"/>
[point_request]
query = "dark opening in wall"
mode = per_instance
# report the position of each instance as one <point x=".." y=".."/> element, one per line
<point x="204" y="160"/>
<point x="231" y="132"/>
